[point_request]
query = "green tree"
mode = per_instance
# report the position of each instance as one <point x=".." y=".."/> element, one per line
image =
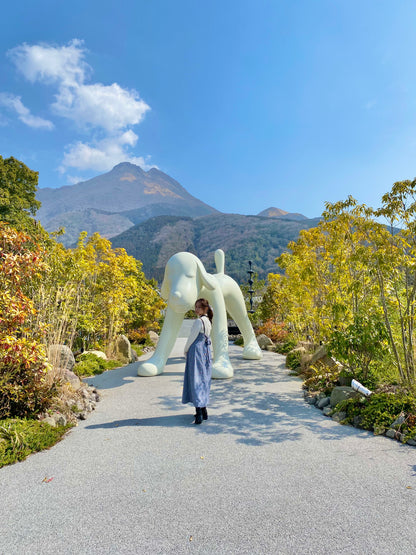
<point x="18" y="186"/>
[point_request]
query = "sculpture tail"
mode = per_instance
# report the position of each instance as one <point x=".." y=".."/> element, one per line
<point x="220" y="261"/>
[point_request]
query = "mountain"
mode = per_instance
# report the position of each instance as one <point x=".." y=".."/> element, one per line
<point x="242" y="238"/>
<point x="273" y="212"/>
<point x="113" y="202"/>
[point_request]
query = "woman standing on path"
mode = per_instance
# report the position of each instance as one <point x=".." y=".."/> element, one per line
<point x="197" y="378"/>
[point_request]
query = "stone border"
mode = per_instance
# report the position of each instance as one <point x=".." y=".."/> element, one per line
<point x="323" y="402"/>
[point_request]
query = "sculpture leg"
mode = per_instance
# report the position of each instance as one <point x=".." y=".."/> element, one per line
<point x="221" y="367"/>
<point x="156" y="363"/>
<point x="238" y="312"/>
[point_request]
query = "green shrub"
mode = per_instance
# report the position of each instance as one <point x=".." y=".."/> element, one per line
<point x="137" y="348"/>
<point x="24" y="393"/>
<point x="321" y="377"/>
<point x="91" y="365"/>
<point x="286" y="347"/>
<point x="21" y="437"/>
<point x="239" y="341"/>
<point x="379" y="411"/>
<point x="293" y="360"/>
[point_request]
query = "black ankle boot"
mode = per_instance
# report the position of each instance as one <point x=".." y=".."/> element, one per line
<point x="204" y="413"/>
<point x="198" y="415"/>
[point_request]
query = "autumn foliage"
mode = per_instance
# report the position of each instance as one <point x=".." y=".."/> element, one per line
<point x="23" y="364"/>
<point x="351" y="283"/>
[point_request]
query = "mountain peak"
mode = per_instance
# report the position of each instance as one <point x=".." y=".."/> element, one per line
<point x="127" y="166"/>
<point x="272" y="212"/>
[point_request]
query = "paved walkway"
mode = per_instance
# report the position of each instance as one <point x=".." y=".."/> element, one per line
<point x="267" y="473"/>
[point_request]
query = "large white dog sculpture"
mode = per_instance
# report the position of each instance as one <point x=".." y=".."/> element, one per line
<point x="185" y="281"/>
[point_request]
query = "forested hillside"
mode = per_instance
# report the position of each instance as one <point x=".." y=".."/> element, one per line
<point x="242" y="238"/>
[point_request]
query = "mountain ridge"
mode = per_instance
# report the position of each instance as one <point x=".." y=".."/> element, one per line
<point x="125" y="188"/>
<point x="242" y="238"/>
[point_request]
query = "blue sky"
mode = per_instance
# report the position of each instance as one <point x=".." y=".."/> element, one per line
<point x="286" y="103"/>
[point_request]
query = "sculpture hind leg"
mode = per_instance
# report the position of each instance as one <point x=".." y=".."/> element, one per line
<point x="236" y="308"/>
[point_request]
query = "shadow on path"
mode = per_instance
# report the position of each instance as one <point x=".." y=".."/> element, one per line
<point x="261" y="404"/>
<point x="173" y="421"/>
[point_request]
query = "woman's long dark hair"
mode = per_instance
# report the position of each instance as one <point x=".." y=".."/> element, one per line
<point x="205" y="304"/>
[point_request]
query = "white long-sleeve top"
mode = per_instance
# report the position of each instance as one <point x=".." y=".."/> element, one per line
<point x="200" y="325"/>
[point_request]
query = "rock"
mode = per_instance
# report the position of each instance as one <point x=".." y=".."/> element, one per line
<point x="321" y="354"/>
<point x="311" y="398"/>
<point x="270" y="348"/>
<point x="322" y="403"/>
<point x="357" y="421"/>
<point x="398" y="422"/>
<point x="60" y="356"/>
<point x="134" y="356"/>
<point x="263" y="341"/>
<point x="411" y="442"/>
<point x="308" y="346"/>
<point x="154" y="338"/>
<point x="49" y="420"/>
<point x="341" y="393"/>
<point x="72" y="378"/>
<point x="99" y="354"/>
<point x="391" y="433"/>
<point x="305" y="360"/>
<point x="327" y="411"/>
<point x="121" y="349"/>
<point x="339" y="416"/>
<point x="59" y="419"/>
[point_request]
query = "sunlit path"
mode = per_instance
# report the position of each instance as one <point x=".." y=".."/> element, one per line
<point x="267" y="473"/>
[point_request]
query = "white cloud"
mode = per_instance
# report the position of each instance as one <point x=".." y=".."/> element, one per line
<point x="98" y="105"/>
<point x="109" y="107"/>
<point x="43" y="62"/>
<point x="14" y="103"/>
<point x="108" y="110"/>
<point x="103" y="155"/>
<point x="73" y="179"/>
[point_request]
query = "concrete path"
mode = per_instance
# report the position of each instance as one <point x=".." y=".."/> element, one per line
<point x="267" y="473"/>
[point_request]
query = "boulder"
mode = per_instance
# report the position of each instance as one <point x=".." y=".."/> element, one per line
<point x="339" y="416"/>
<point x="308" y="346"/>
<point x="321" y="354"/>
<point x="322" y="403"/>
<point x="154" y="338"/>
<point x="60" y="356"/>
<point x="121" y="349"/>
<point x="59" y="418"/>
<point x="398" y="422"/>
<point x="327" y="411"/>
<point x="99" y="354"/>
<point x="72" y="378"/>
<point x="49" y="420"/>
<point x="264" y="341"/>
<point x="305" y="360"/>
<point x="311" y="398"/>
<point x="341" y="393"/>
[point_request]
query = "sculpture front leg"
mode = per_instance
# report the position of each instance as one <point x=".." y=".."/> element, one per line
<point x="156" y="363"/>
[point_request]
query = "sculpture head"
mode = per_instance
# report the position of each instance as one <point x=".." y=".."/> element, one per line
<point x="185" y="278"/>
